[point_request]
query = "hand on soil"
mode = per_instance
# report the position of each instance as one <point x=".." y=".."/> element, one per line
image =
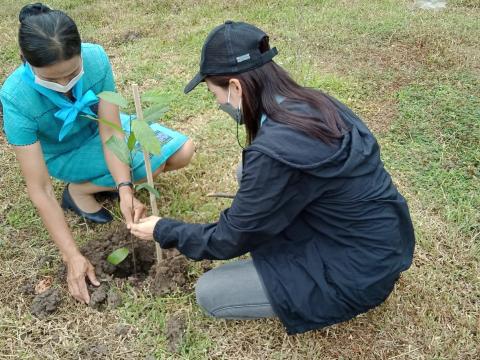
<point x="131" y="214"/>
<point x="144" y="228"/>
<point x="79" y="268"/>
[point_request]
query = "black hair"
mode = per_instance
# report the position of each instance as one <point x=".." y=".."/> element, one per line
<point x="47" y="36"/>
<point x="261" y="85"/>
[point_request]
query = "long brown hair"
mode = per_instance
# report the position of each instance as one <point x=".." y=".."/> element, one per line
<point x="260" y="87"/>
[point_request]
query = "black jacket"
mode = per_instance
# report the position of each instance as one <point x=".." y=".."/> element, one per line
<point x="327" y="230"/>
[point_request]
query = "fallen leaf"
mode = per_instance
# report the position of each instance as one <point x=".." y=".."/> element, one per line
<point x="43" y="285"/>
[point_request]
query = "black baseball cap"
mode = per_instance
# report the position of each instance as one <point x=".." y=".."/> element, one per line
<point x="231" y="48"/>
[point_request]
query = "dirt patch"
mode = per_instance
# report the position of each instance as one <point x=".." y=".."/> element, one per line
<point x="46" y="303"/>
<point x="174" y="331"/>
<point x="94" y="351"/>
<point x="127" y="37"/>
<point x="138" y="263"/>
<point x="138" y="269"/>
<point x="28" y="287"/>
<point x="103" y="296"/>
<point x="138" y="266"/>
<point x="170" y="276"/>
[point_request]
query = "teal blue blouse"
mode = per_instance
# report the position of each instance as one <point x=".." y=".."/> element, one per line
<point x="29" y="116"/>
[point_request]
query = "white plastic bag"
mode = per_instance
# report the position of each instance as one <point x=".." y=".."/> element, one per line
<point x="431" y="4"/>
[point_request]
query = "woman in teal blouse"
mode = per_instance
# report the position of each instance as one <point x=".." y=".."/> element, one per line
<point x="44" y="102"/>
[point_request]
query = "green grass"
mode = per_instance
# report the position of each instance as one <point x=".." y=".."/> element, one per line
<point x="434" y="144"/>
<point x="412" y="75"/>
<point x="150" y="316"/>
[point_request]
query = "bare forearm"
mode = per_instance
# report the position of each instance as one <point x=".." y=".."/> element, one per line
<point x="54" y="220"/>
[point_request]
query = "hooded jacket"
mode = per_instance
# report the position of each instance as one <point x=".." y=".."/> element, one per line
<point x="328" y="231"/>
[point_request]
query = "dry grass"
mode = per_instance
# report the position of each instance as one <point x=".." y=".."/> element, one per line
<point x="365" y="53"/>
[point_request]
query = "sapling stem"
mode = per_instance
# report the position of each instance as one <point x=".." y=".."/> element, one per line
<point x="148" y="166"/>
<point x="131" y="177"/>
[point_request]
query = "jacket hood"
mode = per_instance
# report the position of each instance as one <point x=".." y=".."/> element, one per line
<point x="350" y="156"/>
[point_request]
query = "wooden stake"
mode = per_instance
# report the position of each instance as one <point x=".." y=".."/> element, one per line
<point x="148" y="167"/>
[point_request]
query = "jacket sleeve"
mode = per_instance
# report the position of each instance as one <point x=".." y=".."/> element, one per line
<point x="268" y="200"/>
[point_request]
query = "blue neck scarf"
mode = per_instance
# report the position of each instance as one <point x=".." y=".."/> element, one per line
<point x="69" y="110"/>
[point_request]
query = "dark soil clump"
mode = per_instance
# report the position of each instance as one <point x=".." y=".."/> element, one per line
<point x="28" y="287"/>
<point x="102" y="297"/>
<point x="171" y="276"/>
<point x="46" y="303"/>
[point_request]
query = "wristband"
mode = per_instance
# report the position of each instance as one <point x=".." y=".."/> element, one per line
<point x="125" y="183"/>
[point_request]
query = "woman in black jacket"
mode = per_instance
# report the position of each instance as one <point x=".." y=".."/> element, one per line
<point x="327" y="230"/>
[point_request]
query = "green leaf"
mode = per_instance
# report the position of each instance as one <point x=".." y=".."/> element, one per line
<point x="106" y="122"/>
<point x="154" y="113"/>
<point x="131" y="141"/>
<point x="146" y="137"/>
<point x="117" y="256"/>
<point x="113" y="98"/>
<point x="119" y="148"/>
<point x="149" y="188"/>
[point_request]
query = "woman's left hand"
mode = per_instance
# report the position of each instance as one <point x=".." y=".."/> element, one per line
<point x="144" y="229"/>
<point x="132" y="209"/>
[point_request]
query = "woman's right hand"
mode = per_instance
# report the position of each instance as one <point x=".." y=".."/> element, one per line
<point x="78" y="268"/>
<point x="41" y="193"/>
<point x="144" y="228"/>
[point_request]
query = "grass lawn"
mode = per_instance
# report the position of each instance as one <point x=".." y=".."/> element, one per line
<point x="412" y="75"/>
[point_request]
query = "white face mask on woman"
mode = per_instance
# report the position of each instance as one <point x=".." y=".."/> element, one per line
<point x="58" y="87"/>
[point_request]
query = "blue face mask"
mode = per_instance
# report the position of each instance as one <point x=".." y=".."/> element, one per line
<point x="235" y="113"/>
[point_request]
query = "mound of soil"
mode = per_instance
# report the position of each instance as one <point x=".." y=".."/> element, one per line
<point x="46" y="303"/>
<point x="102" y="297"/>
<point x="172" y="275"/>
<point x="138" y="266"/>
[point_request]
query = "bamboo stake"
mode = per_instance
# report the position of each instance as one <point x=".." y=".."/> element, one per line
<point x="148" y="167"/>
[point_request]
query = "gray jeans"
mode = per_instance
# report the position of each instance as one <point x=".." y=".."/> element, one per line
<point x="233" y="291"/>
